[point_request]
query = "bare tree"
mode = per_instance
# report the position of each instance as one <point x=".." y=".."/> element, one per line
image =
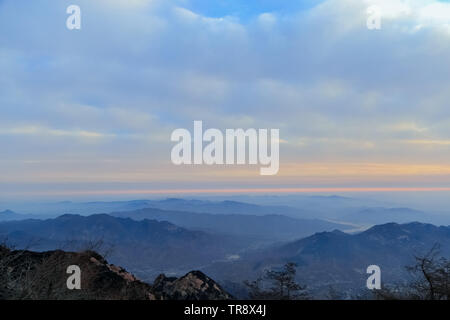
<point x="282" y="285"/>
<point x="432" y="276"/>
<point x="431" y="279"/>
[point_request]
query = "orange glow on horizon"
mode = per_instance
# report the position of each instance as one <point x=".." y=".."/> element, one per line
<point x="247" y="190"/>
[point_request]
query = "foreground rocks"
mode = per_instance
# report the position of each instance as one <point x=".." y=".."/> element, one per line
<point x="43" y="275"/>
<point x="193" y="286"/>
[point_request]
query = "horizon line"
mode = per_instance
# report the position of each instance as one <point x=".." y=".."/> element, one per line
<point x="244" y="190"/>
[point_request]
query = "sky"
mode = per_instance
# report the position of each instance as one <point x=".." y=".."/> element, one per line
<point x="91" y="111"/>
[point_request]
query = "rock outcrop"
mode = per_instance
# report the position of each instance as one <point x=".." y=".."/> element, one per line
<point x="193" y="286"/>
<point x="43" y="275"/>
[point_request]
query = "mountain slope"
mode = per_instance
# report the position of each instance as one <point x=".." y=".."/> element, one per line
<point x="220" y="207"/>
<point x="146" y="247"/>
<point x="379" y="215"/>
<point x="339" y="259"/>
<point x="269" y="227"/>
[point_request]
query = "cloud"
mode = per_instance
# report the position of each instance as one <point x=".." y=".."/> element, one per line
<point x="407" y="127"/>
<point x="430" y="142"/>
<point x="42" y="131"/>
<point x="139" y="69"/>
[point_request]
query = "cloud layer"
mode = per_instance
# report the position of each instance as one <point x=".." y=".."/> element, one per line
<point x="112" y="92"/>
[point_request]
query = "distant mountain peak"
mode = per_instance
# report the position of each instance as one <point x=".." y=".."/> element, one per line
<point x="7" y="211"/>
<point x="9" y="215"/>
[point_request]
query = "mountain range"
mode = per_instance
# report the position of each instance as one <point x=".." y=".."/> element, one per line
<point x="147" y="247"/>
<point x="339" y="260"/>
<point x="174" y="236"/>
<point x="332" y="208"/>
<point x="258" y="227"/>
